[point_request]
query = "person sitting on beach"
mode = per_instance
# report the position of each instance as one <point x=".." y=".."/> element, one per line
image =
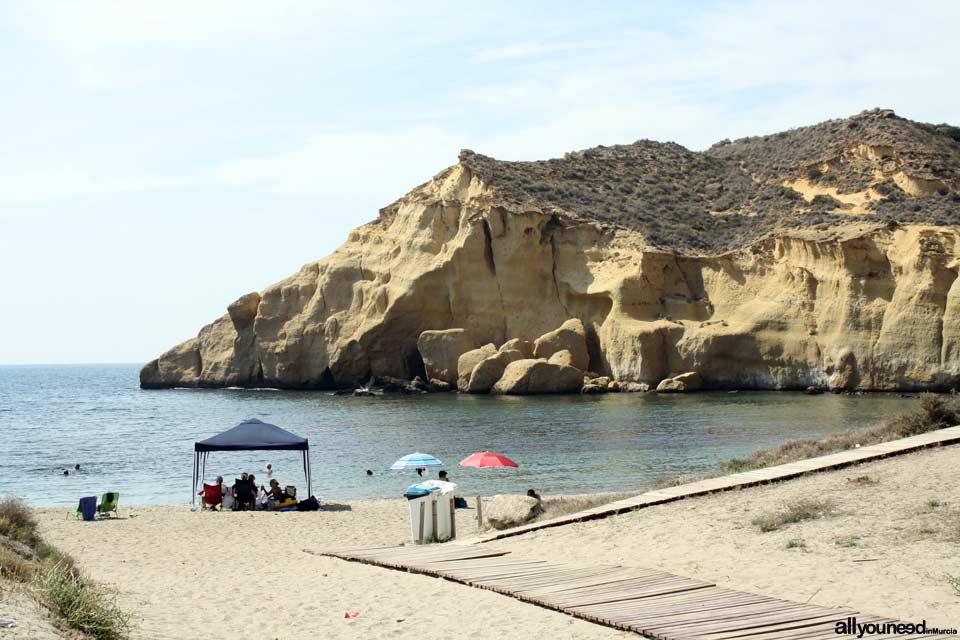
<point x="245" y="491"/>
<point x="443" y="476"/>
<point x="275" y="491"/>
<point x="216" y="498"/>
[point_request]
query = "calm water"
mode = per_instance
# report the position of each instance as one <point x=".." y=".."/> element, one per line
<point x="141" y="442"/>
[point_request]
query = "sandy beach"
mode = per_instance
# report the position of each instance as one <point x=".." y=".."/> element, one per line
<point x="890" y="540"/>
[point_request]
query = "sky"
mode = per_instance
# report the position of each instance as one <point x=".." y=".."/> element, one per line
<point x="160" y="159"/>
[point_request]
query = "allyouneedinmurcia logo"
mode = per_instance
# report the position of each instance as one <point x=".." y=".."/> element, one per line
<point x="850" y="627"/>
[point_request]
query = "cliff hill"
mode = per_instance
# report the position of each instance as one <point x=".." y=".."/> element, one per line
<point x="824" y="255"/>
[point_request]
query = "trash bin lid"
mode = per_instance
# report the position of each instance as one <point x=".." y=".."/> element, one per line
<point x="419" y="490"/>
<point x="444" y="487"/>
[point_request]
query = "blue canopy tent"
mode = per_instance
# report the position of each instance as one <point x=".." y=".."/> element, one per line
<point x="250" y="435"/>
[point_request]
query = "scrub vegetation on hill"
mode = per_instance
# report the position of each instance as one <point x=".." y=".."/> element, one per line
<point x="736" y="192"/>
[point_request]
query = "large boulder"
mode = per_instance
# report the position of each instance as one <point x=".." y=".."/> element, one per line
<point x="570" y="336"/>
<point x="469" y="360"/>
<point x="562" y="357"/>
<point x="506" y="511"/>
<point x="440" y="351"/>
<point x="489" y="370"/>
<point x="529" y="377"/>
<point x="690" y="381"/>
<point x="523" y="346"/>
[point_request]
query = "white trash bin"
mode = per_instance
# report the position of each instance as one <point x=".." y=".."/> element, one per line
<point x="422" y="502"/>
<point x="444" y="524"/>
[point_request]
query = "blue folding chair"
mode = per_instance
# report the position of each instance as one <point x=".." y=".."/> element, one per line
<point x="87" y="508"/>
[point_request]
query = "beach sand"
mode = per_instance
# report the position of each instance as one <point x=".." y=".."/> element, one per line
<point x="886" y="550"/>
<point x="186" y="574"/>
<point x="255" y="575"/>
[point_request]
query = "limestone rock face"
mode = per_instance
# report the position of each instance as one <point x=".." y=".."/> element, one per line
<point x="469" y="360"/>
<point x="572" y="337"/>
<point x="490" y="369"/>
<point x="530" y="377"/>
<point x="858" y="304"/>
<point x="440" y="351"/>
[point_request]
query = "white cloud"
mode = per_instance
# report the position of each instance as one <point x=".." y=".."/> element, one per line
<point x="531" y="49"/>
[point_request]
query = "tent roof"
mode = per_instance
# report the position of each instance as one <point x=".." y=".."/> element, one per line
<point x="252" y="435"/>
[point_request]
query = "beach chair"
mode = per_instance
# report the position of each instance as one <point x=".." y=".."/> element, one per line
<point x="212" y="495"/>
<point x="108" y="504"/>
<point x="87" y="508"/>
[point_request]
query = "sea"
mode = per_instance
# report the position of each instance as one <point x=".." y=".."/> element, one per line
<point x="140" y="443"/>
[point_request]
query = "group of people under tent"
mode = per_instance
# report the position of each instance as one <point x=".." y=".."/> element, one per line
<point x="245" y="495"/>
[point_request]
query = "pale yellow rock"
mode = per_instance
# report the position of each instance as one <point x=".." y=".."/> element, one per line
<point x="531" y="377"/>
<point x="690" y="381"/>
<point x="523" y="346"/>
<point x="505" y="511"/>
<point x="490" y="369"/>
<point x="671" y="385"/>
<point x="471" y="359"/>
<point x="562" y="357"/>
<point x="440" y="351"/>
<point x="570" y="336"/>
<point x="860" y="306"/>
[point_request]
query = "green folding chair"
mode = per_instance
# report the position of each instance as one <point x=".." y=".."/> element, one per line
<point x="108" y="504"/>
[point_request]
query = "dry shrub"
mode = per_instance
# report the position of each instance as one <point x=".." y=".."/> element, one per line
<point x="797" y="511"/>
<point x="16" y="521"/>
<point x="934" y="412"/>
<point x="78" y="603"/>
<point x="14" y="566"/>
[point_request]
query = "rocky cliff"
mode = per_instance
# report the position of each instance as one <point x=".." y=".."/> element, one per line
<point x="824" y="256"/>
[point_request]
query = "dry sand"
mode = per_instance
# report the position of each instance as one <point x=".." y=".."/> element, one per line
<point x="247" y="575"/>
<point x="886" y="550"/>
<point x="33" y="621"/>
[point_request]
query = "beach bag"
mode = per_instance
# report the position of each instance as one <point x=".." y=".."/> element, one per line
<point x="459" y="503"/>
<point x="310" y="504"/>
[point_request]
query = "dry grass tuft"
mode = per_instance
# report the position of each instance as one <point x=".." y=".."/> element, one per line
<point x="797" y="511"/>
<point x="81" y="606"/>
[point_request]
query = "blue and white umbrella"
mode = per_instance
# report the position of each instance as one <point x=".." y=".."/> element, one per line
<point x="416" y="461"/>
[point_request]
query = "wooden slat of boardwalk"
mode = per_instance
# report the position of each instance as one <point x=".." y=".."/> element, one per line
<point x="646" y="601"/>
<point x="950" y="435"/>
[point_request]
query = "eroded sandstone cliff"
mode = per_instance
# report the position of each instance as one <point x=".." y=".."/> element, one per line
<point x="766" y="285"/>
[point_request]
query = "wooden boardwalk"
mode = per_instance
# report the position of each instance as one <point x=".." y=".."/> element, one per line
<point x="950" y="435"/>
<point x="646" y="601"/>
